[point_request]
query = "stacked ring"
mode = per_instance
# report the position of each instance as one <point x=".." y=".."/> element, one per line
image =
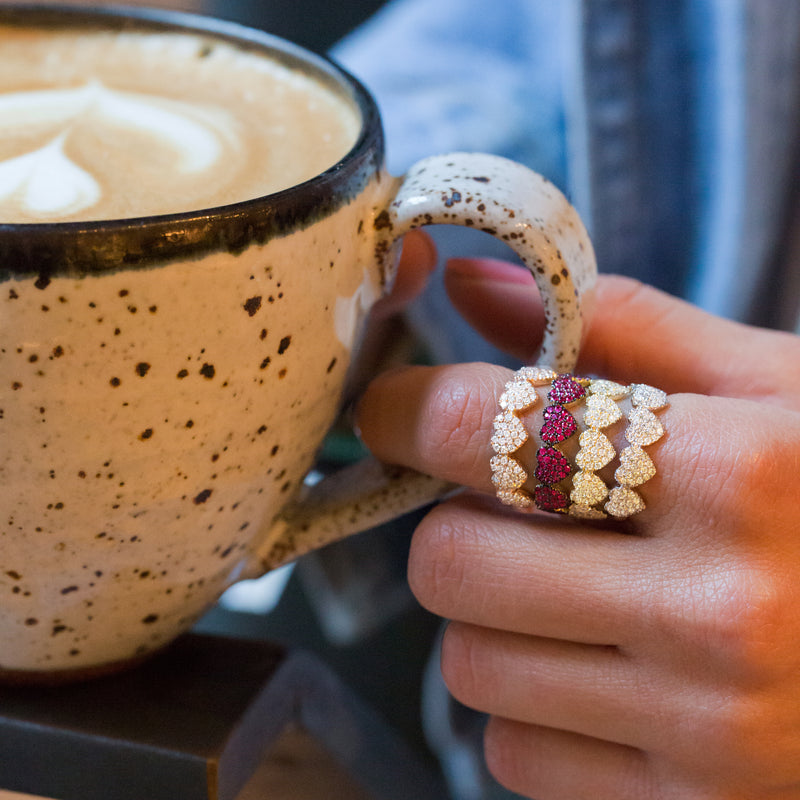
<point x="635" y="465"/>
<point x="587" y="495"/>
<point x="552" y="466"/>
<point x="596" y="450"/>
<point x="519" y="395"/>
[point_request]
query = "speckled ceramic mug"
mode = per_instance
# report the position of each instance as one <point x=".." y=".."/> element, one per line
<point x="167" y="381"/>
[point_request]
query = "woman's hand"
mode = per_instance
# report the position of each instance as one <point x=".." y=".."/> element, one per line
<point x="653" y="658"/>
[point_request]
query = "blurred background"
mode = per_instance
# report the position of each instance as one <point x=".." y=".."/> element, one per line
<point x="315" y="24"/>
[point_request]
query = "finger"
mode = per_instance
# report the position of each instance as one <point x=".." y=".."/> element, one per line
<point x="552" y="578"/>
<point x="557" y="765"/>
<point x="417" y="260"/>
<point x="500" y="301"/>
<point x="439" y="420"/>
<point x="470" y="563"/>
<point x="635" y="333"/>
<point x="440" y="423"/>
<point x="586" y="689"/>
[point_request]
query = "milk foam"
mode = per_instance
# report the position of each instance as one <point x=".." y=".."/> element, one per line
<point x="47" y="183"/>
<point x="99" y="125"/>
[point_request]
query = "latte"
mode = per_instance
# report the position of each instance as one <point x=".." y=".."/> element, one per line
<point x="107" y="124"/>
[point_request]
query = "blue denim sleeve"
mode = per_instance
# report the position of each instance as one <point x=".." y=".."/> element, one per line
<point x="672" y="126"/>
<point x="465" y="75"/>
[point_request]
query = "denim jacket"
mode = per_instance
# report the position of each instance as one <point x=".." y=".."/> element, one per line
<point x="672" y="125"/>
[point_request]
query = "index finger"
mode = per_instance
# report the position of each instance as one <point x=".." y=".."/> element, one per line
<point x="636" y="333"/>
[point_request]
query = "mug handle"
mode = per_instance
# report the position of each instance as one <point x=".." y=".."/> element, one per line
<point x="510" y="202"/>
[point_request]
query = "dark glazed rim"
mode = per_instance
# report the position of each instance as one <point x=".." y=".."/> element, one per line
<point x="81" y="248"/>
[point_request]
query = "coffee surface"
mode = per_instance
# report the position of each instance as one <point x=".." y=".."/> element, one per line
<point x="98" y="125"/>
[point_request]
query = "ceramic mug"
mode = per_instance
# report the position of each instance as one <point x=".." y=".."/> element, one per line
<point x="167" y="381"/>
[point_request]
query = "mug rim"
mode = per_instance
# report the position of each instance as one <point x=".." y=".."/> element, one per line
<point x="48" y="248"/>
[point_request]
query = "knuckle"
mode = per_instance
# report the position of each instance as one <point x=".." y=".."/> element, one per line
<point x="743" y="624"/>
<point x="730" y="614"/>
<point x="740" y="618"/>
<point x="757" y="480"/>
<point x="723" y="476"/>
<point x="458" y="418"/>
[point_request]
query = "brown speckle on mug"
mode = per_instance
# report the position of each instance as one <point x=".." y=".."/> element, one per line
<point x="383" y="221"/>
<point x="202" y="497"/>
<point x="252" y="305"/>
<point x="451" y="199"/>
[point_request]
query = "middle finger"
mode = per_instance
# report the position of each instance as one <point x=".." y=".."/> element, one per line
<point x="554" y="578"/>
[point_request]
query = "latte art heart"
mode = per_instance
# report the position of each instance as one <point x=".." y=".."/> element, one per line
<point x="47" y="182"/>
